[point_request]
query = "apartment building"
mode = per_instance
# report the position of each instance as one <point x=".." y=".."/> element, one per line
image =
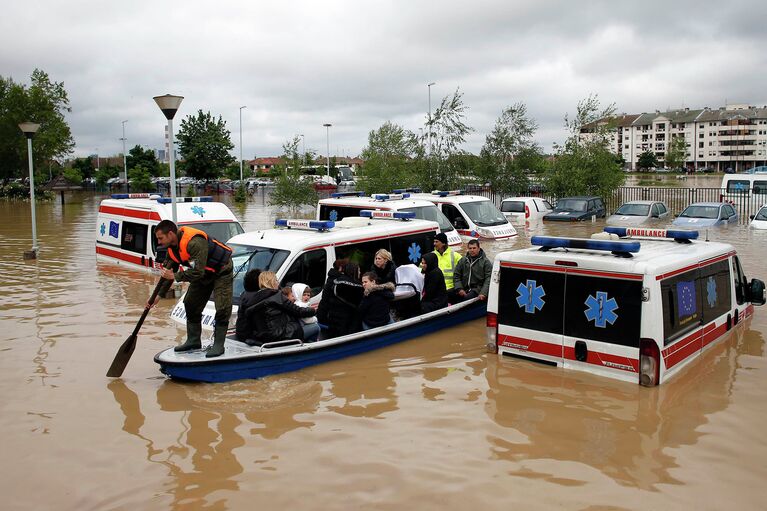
<point x="732" y="137"/>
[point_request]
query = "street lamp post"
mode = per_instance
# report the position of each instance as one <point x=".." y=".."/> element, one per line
<point x="29" y="129"/>
<point x="169" y="105"/>
<point x="303" y="150"/>
<point x="125" y="159"/>
<point x="428" y="86"/>
<point x="327" y="138"/>
<point x="241" y="143"/>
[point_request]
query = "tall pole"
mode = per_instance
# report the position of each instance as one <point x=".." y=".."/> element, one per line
<point x="327" y="138"/>
<point x="303" y="150"/>
<point x="172" y="170"/>
<point x="241" y="143"/>
<point x="32" y="197"/>
<point x="428" y="86"/>
<point x="125" y="159"/>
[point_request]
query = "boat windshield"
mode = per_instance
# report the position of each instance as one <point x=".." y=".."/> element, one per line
<point x="571" y="205"/>
<point x="634" y="210"/>
<point x="222" y="231"/>
<point x="431" y="213"/>
<point x="701" y="212"/>
<point x="246" y="258"/>
<point x="483" y="213"/>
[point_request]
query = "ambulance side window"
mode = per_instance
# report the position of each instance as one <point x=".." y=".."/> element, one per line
<point x="454" y="216"/>
<point x="715" y="290"/>
<point x="740" y="281"/>
<point x="533" y="300"/>
<point x="603" y="309"/>
<point x="410" y="249"/>
<point x="134" y="237"/>
<point x="309" y="268"/>
<point x="681" y="298"/>
<point x="335" y="213"/>
<point x="361" y="253"/>
<point x="159" y="252"/>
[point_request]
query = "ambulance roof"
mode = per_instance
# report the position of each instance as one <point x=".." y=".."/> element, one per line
<point x="369" y="202"/>
<point x="348" y="230"/>
<point x="449" y="199"/>
<point x="186" y="212"/>
<point x="655" y="257"/>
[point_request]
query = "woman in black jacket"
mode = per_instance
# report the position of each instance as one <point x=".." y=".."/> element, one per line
<point x="340" y="298"/>
<point x="434" y="291"/>
<point x="374" y="307"/>
<point x="384" y="267"/>
<point x="276" y="317"/>
<point x="245" y="327"/>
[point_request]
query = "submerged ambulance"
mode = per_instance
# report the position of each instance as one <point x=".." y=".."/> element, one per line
<point x="472" y="216"/>
<point x="126" y="222"/>
<point x="638" y="311"/>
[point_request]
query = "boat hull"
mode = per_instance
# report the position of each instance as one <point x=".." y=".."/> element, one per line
<point x="237" y="364"/>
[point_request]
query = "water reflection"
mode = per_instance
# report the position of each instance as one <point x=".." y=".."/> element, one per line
<point x="625" y="431"/>
<point x="372" y="397"/>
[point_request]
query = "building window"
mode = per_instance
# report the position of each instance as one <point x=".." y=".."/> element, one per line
<point x="700" y="145"/>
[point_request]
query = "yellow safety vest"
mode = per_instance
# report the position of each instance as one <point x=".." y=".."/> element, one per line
<point x="447" y="262"/>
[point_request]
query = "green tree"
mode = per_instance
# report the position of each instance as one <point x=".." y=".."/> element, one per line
<point x="140" y="179"/>
<point x="647" y="160"/>
<point x="107" y="172"/>
<point x="444" y="132"/>
<point x="204" y="143"/>
<point x="585" y="165"/>
<point x="74" y="175"/>
<point x="84" y="166"/>
<point x="677" y="152"/>
<point x="291" y="189"/>
<point x="43" y="102"/>
<point x="510" y="151"/>
<point x="388" y="159"/>
<point x="145" y="158"/>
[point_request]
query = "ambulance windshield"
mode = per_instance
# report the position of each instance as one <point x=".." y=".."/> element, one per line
<point x="222" y="231"/>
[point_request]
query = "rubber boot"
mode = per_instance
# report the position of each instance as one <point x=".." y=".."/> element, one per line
<point x="219" y="337"/>
<point x="193" y="338"/>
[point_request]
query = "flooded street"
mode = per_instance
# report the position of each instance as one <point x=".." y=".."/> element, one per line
<point x="431" y="423"/>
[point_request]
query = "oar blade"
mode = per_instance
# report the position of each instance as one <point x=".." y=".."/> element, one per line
<point x="122" y="357"/>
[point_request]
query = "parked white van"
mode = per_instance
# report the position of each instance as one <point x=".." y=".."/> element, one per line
<point x="637" y="311"/>
<point x="745" y="188"/>
<point x="525" y="209"/>
<point x="126" y="222"/>
<point x="472" y="216"/>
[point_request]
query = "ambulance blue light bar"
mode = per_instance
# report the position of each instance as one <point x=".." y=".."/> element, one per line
<point x="136" y="195"/>
<point x="314" y="225"/>
<point x="389" y="215"/>
<point x="678" y="234"/>
<point x="403" y="190"/>
<point x="445" y="193"/>
<point x="392" y="196"/>
<point x="168" y="200"/>
<point x="616" y="246"/>
<point x="338" y="195"/>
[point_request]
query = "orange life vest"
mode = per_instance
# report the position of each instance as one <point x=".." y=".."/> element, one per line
<point x="218" y="253"/>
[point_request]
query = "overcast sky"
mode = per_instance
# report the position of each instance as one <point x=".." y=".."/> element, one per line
<point x="297" y="65"/>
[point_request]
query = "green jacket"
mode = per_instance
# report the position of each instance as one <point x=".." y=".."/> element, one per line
<point x="195" y="270"/>
<point x="473" y="273"/>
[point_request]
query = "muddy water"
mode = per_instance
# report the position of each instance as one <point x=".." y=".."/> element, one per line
<point x="433" y="423"/>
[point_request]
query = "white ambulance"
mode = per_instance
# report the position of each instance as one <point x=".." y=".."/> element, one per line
<point x="126" y="222"/>
<point x="638" y="311"/>
<point x="472" y="216"/>
<point x="343" y="204"/>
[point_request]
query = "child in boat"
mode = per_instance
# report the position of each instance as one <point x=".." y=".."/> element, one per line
<point x="374" y="308"/>
<point x="303" y="294"/>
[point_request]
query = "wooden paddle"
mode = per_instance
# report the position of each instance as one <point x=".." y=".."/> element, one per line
<point x="126" y="350"/>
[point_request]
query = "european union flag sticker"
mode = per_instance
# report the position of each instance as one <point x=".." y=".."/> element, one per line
<point x="687" y="304"/>
<point x="114" y="229"/>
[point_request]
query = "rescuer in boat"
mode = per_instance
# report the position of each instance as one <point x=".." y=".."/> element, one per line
<point x="447" y="259"/>
<point x="206" y="264"/>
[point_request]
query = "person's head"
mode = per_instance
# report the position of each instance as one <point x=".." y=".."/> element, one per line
<point x="440" y="242"/>
<point x="369" y="280"/>
<point x="268" y="280"/>
<point x="339" y="264"/>
<point x="472" y="248"/>
<point x="302" y="292"/>
<point x="351" y="270"/>
<point x="166" y="233"/>
<point x="383" y="256"/>
<point x="250" y="281"/>
<point x="429" y="262"/>
<point x="287" y="292"/>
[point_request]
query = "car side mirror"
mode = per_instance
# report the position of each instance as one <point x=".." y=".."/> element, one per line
<point x="756" y="292"/>
<point x="751" y="216"/>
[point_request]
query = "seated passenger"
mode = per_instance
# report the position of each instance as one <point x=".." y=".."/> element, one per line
<point x="254" y="292"/>
<point x="276" y="316"/>
<point x="340" y="298"/>
<point x="303" y="294"/>
<point x="472" y="275"/>
<point x="374" y="307"/>
<point x="384" y="267"/>
<point x="434" y="291"/>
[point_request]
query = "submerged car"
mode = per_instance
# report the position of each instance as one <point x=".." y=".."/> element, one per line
<point x="707" y="214"/>
<point x="639" y="212"/>
<point x="525" y="208"/>
<point x="574" y="209"/>
<point x="759" y="220"/>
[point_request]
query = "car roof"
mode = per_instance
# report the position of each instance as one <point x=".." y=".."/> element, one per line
<point x="522" y="198"/>
<point x="714" y="204"/>
<point x="643" y="202"/>
<point x="581" y="197"/>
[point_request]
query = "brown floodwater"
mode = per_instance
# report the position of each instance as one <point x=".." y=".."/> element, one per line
<point x="431" y="423"/>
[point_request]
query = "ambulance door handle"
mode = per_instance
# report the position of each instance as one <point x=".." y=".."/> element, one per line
<point x="143" y="261"/>
<point x="729" y="321"/>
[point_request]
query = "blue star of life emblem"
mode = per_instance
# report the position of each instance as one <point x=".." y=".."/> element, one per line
<point x="530" y="296"/>
<point x="103" y="229"/>
<point x="711" y="292"/>
<point x="600" y="309"/>
<point x="333" y="216"/>
<point x="197" y="210"/>
<point x="414" y="253"/>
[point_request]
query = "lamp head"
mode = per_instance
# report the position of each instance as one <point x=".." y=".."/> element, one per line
<point x="29" y="128"/>
<point x="169" y="104"/>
